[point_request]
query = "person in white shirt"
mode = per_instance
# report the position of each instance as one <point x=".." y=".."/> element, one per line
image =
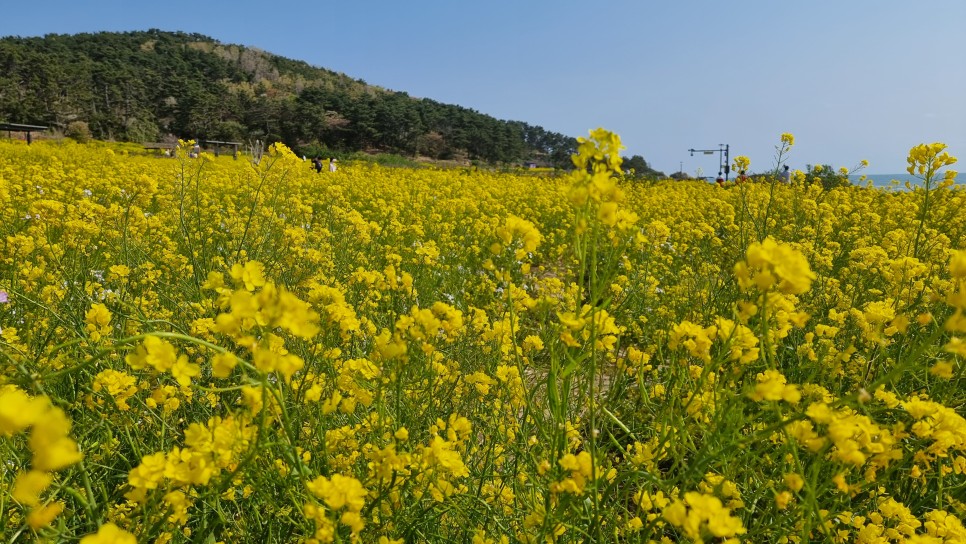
<point x="786" y="175"/>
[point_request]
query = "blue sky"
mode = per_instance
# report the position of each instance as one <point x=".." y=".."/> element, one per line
<point x="852" y="80"/>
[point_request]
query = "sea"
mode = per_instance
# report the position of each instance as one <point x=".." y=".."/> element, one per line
<point x="893" y="182"/>
<point x="897" y="181"/>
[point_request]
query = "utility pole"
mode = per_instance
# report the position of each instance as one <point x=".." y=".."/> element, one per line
<point x="724" y="158"/>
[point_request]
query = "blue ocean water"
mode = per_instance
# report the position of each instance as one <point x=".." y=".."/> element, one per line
<point x="896" y="180"/>
<point x="887" y="180"/>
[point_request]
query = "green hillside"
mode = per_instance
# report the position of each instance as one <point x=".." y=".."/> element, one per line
<point x="145" y="86"/>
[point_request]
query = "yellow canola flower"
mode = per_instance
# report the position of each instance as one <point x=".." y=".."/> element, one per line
<point x="52" y="448"/>
<point x="943" y="525"/>
<point x="271" y="356"/>
<point x="580" y="467"/>
<point x="772" y="386"/>
<point x="794" y="481"/>
<point x="956" y="346"/>
<point x="856" y="437"/>
<point x="600" y="146"/>
<point x="119" y="385"/>
<point x="699" y="515"/>
<point x="19" y="410"/>
<point x="597" y="160"/>
<point x="153" y="352"/>
<point x="942" y="369"/>
<point x="43" y="515"/>
<point x="119" y="271"/>
<point x="162" y="356"/>
<point x="443" y="454"/>
<point x="222" y="364"/>
<point x="186" y="466"/>
<point x="607" y="213"/>
<point x="98" y="319"/>
<point x="339" y="492"/>
<point x="251" y="275"/>
<point x="926" y="159"/>
<point x="517" y="228"/>
<point x="109" y="534"/>
<point x="270" y="307"/>
<point x="178" y="504"/>
<point x="149" y="473"/>
<point x="740" y="341"/>
<point x="697" y="340"/>
<point x="648" y="501"/>
<point x="50" y="444"/>
<point x="183" y="371"/>
<point x="334" y="309"/>
<point x="935" y="421"/>
<point x="957" y="264"/>
<point x="740" y="163"/>
<point x="772" y="264"/>
<point x="605" y="327"/>
<point x="29" y="485"/>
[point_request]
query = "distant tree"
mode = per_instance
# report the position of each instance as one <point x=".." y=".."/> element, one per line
<point x="637" y="167"/>
<point x="228" y="131"/>
<point x="827" y="176"/>
<point x="142" y="130"/>
<point x="635" y="163"/>
<point x="431" y="145"/>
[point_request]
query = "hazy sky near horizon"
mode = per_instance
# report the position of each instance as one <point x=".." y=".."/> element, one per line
<point x="852" y="80"/>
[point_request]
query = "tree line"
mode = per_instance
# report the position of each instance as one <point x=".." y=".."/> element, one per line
<point x="145" y="86"/>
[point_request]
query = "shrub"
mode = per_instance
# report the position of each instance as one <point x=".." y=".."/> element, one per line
<point x="79" y="131"/>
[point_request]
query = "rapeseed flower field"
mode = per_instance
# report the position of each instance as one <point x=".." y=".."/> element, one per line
<point x="209" y="350"/>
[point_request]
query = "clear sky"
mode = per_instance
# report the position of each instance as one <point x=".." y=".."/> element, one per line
<point x="851" y="79"/>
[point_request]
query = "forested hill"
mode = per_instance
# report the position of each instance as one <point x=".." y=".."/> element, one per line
<point x="144" y="86"/>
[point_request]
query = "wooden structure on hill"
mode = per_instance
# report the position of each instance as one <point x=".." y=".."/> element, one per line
<point x="170" y="149"/>
<point x="218" y="145"/>
<point x="164" y="148"/>
<point x="27" y="129"/>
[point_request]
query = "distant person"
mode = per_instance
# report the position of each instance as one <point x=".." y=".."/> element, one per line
<point x="741" y="177"/>
<point x="317" y="164"/>
<point x="719" y="180"/>
<point x="331" y="165"/>
<point x="786" y="175"/>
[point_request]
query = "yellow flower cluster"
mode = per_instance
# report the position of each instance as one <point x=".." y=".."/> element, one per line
<point x="162" y="356"/>
<point x="52" y="450"/>
<point x="338" y="493"/>
<point x="741" y="164"/>
<point x="927" y="159"/>
<point x="773" y="386"/>
<point x="701" y="516"/>
<point x="956" y="323"/>
<point x="109" y="534"/>
<point x="771" y="264"/>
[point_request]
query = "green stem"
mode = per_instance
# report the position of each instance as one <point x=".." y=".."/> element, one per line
<point x="923" y="213"/>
